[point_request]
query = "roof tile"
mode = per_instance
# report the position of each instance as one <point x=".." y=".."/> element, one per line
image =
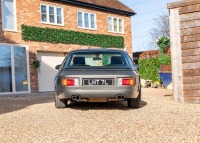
<point x="114" y="4"/>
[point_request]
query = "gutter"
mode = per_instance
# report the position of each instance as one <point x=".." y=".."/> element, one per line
<point x="94" y="6"/>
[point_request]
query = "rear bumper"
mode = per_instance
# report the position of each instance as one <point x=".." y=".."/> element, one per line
<point x="92" y="92"/>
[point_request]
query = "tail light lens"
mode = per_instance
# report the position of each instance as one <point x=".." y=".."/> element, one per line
<point x="70" y="82"/>
<point x="126" y="81"/>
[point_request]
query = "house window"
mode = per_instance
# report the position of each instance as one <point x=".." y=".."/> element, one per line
<point x="86" y="20"/>
<point x="13" y="69"/>
<point x="115" y="25"/>
<point x="9" y="15"/>
<point x="52" y="15"/>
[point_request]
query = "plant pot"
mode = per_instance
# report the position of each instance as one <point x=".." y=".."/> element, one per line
<point x="165" y="74"/>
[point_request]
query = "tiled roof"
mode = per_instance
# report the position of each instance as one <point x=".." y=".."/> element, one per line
<point x="107" y="5"/>
<point x="115" y="4"/>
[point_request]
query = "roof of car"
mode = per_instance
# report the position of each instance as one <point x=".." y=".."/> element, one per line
<point x="98" y="50"/>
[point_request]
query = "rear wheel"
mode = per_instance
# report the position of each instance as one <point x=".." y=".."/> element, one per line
<point x="60" y="103"/>
<point x="135" y="102"/>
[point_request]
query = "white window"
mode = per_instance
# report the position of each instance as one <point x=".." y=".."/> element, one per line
<point x="86" y="20"/>
<point x="9" y="15"/>
<point x="115" y="25"/>
<point x="52" y="15"/>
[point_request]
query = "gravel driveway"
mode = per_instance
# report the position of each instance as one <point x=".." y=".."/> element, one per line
<point x="27" y="119"/>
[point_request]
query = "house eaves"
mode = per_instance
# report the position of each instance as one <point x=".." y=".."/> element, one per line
<point x="100" y="7"/>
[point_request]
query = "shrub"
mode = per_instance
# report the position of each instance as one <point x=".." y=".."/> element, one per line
<point x="164" y="59"/>
<point x="163" y="42"/>
<point x="51" y="35"/>
<point x="148" y="69"/>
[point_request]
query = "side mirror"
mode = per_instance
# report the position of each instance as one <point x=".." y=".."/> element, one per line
<point x="58" y="67"/>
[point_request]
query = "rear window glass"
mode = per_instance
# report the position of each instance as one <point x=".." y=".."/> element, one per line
<point x="96" y="60"/>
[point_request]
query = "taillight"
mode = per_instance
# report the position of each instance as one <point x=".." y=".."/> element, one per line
<point x="70" y="82"/>
<point x="126" y="81"/>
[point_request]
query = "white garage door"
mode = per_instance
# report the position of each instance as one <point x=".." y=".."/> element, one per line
<point x="47" y="70"/>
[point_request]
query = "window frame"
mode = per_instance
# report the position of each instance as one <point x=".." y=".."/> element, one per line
<point x="13" y="68"/>
<point x="89" y="18"/>
<point x="55" y="14"/>
<point x="15" y="17"/>
<point x="112" y="18"/>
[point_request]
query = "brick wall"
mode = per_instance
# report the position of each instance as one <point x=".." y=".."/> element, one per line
<point x="28" y="12"/>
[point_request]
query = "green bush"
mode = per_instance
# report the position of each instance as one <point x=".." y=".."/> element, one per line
<point x="50" y="35"/>
<point x="164" y="59"/>
<point x="148" y="69"/>
<point x="162" y="43"/>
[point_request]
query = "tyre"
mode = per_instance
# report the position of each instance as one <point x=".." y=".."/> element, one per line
<point x="135" y="102"/>
<point x="60" y="103"/>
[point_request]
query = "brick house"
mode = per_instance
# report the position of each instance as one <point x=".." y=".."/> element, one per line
<point x="47" y="30"/>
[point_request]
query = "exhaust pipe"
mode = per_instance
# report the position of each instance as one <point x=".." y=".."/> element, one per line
<point x="117" y="98"/>
<point x="75" y="97"/>
<point x="123" y="97"/>
<point x="78" y="99"/>
<point x="120" y="97"/>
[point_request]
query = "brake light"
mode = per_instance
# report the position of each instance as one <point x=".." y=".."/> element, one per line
<point x="70" y="82"/>
<point x="126" y="81"/>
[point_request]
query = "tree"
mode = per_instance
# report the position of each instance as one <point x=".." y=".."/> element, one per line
<point x="160" y="27"/>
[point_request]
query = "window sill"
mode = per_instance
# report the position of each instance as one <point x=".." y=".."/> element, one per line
<point x="116" y="32"/>
<point x="88" y="28"/>
<point x="53" y="24"/>
<point x="10" y="30"/>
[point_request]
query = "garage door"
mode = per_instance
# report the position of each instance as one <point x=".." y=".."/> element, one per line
<point x="47" y="70"/>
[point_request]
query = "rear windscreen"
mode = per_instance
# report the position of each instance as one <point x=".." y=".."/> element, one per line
<point x="96" y="60"/>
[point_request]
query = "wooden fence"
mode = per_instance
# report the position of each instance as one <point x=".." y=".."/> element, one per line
<point x="185" y="50"/>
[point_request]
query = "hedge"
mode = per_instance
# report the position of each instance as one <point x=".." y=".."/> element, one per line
<point x="51" y="35"/>
<point x="148" y="68"/>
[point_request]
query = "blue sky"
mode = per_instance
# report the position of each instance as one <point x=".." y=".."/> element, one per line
<point x="142" y="22"/>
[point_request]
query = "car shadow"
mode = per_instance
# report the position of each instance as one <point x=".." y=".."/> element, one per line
<point x="11" y="103"/>
<point x="84" y="106"/>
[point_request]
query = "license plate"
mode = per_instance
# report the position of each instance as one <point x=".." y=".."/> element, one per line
<point x="93" y="82"/>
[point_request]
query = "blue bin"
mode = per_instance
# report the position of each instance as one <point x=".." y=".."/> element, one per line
<point x="165" y="75"/>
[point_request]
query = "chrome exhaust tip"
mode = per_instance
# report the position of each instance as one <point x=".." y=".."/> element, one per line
<point x="120" y="97"/>
<point x="123" y="97"/>
<point x="75" y="97"/>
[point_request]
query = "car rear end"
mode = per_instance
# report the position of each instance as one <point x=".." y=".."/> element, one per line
<point x="93" y="76"/>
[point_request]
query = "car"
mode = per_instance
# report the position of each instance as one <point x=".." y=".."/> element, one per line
<point x="97" y="75"/>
